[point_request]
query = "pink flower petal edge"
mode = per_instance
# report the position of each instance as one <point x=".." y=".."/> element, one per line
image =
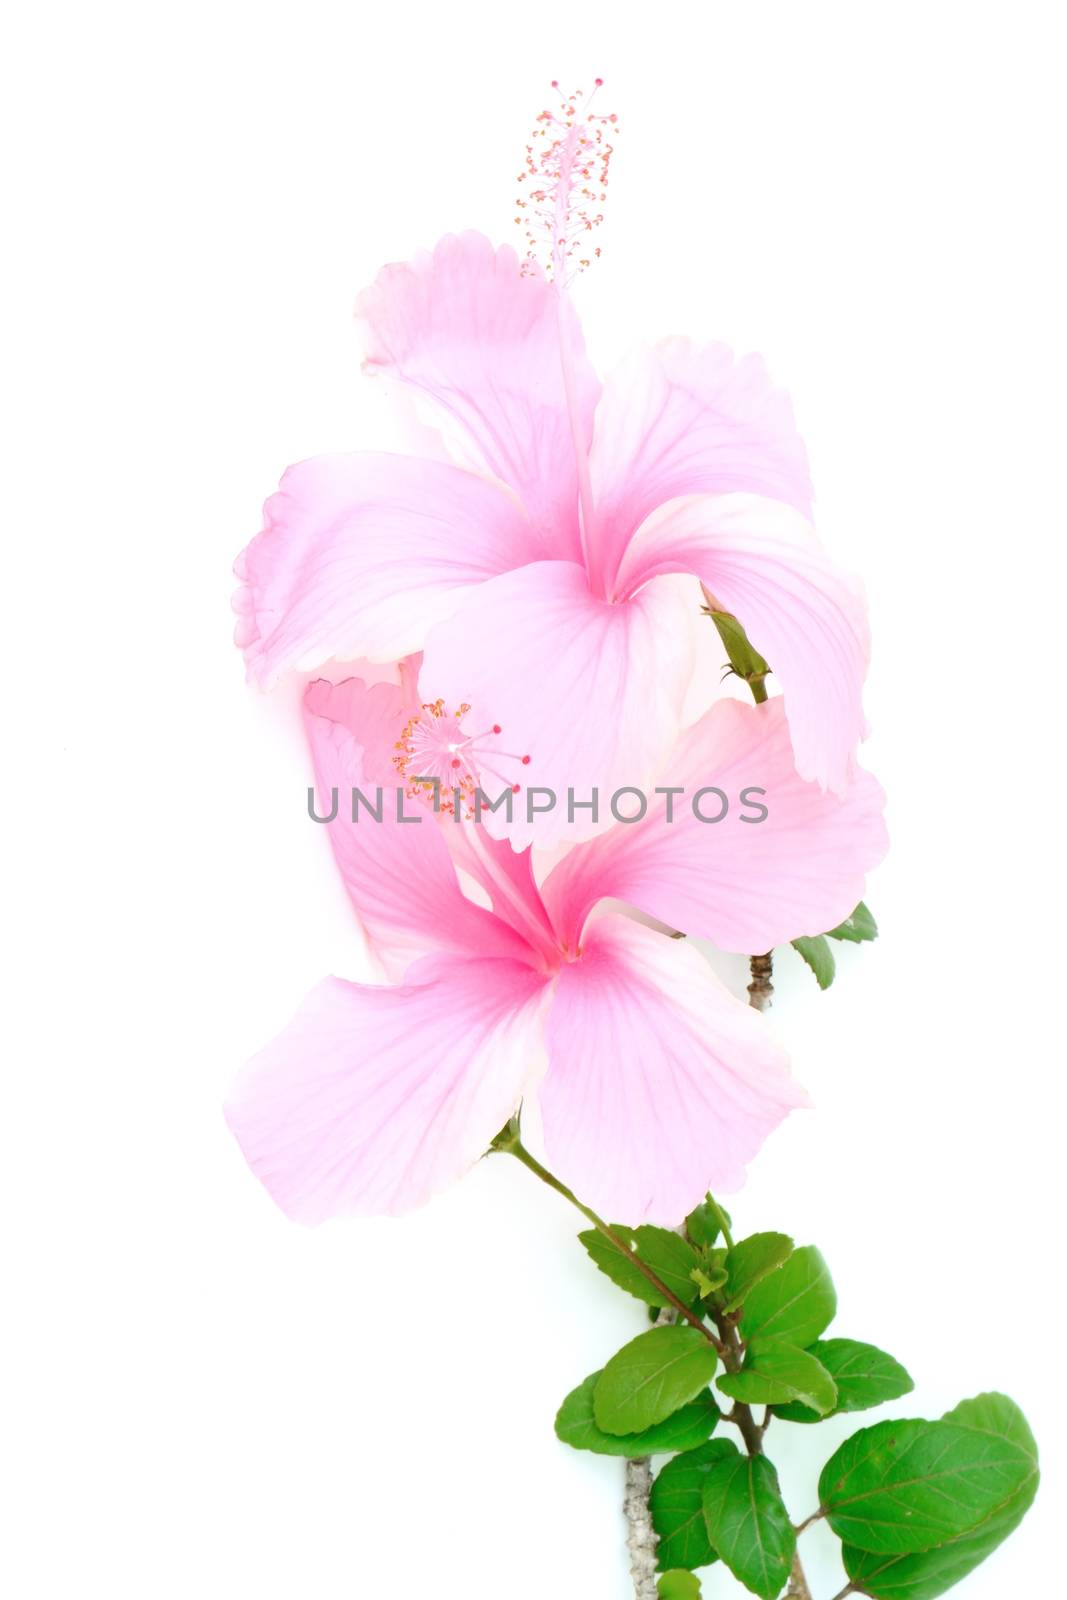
<point x="361" y="554"/>
<point x="660" y="1084"/>
<point x="479" y="339"/>
<point x="373" y="1099"/>
<point x="686" y="418"/>
<point x="760" y="560"/>
<point x="746" y="884"/>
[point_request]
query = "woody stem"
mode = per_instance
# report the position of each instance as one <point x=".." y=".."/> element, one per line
<point x="760" y="991"/>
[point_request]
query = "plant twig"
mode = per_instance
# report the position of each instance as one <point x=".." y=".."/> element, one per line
<point x="741" y="1416"/>
<point x="761" y="989"/>
<point x="798" y="1583"/>
<point x="641" y="1536"/>
<point x="751" y="1432"/>
<point x="642" y="1539"/>
<point x="508" y="1142"/>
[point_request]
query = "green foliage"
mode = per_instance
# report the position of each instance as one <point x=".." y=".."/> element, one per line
<point x="857" y="928"/>
<point x="819" y="957"/>
<point x="794" y="1305"/>
<point x="900" y="1487"/>
<point x="652" y="1376"/>
<point x="747" y="1524"/>
<point x="678" y="1585"/>
<point x="923" y="1575"/>
<point x="688" y="1426"/>
<point x="677" y="1506"/>
<point x="710" y="1276"/>
<point x="671" y="1258"/>
<point x="917" y="1504"/>
<point x="703" y="1225"/>
<point x="776" y="1374"/>
<point x="750" y="1261"/>
<point x="865" y="1376"/>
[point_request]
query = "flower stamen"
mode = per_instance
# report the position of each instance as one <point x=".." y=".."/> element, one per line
<point x="566" y="174"/>
<point x="443" y="764"/>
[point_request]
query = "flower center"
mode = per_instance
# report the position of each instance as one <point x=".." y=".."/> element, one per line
<point x="443" y="764"/>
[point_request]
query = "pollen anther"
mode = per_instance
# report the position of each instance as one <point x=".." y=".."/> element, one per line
<point x="443" y="764"/>
<point x="568" y="152"/>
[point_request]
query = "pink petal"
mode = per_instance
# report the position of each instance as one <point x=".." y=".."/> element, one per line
<point x="761" y="561"/>
<point x="684" y="418"/>
<point x="399" y="876"/>
<point x="746" y="885"/>
<point x="361" y="554"/>
<point x="373" y="1099"/>
<point x="660" y="1084"/>
<point x="590" y="691"/>
<point x="507" y="877"/>
<point x="481" y="340"/>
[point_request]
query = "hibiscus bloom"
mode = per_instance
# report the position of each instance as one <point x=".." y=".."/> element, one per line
<point x="653" y="1081"/>
<point x="537" y="577"/>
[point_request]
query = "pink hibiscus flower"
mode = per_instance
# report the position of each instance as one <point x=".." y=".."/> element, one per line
<point x="534" y="576"/>
<point x="653" y="1081"/>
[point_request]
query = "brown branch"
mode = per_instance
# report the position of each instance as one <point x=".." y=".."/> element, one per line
<point x="761" y="989"/>
<point x="641" y="1536"/>
<point x="733" y="1358"/>
<point x="507" y="1142"/>
<point x="642" y="1539"/>
<point x="798" y="1583"/>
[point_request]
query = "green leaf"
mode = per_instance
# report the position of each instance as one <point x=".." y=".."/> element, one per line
<point x="750" y="1261"/>
<point x="678" y="1585"/>
<point x="747" y="1523"/>
<point x="900" y="1487"/>
<point x="703" y="1225"/>
<point x="865" y="1377"/>
<point x="670" y="1257"/>
<point x="705" y="1285"/>
<point x="710" y="1276"/>
<point x="996" y="1414"/>
<point x="795" y="1304"/>
<point x="857" y="928"/>
<point x="652" y="1376"/>
<point x="677" y="1506"/>
<point x="685" y="1428"/>
<point x="775" y="1374"/>
<point x="926" y="1574"/>
<point x="819" y="957"/>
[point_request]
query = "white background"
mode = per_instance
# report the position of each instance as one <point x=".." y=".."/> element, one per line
<point x="203" y="1399"/>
